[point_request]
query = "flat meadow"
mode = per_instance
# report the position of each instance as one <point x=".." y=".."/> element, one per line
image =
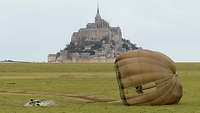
<point x="83" y="88"/>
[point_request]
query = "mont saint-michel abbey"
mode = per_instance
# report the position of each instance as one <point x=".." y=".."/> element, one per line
<point x="97" y="43"/>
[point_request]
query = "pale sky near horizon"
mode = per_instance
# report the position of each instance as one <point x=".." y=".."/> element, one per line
<point x="31" y="29"/>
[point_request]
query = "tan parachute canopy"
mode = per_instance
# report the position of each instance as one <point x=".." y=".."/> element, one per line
<point x="147" y="78"/>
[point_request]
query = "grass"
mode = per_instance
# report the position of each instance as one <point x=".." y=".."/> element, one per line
<point x="66" y="83"/>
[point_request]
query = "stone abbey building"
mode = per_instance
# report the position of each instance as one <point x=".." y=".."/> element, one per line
<point x="97" y="43"/>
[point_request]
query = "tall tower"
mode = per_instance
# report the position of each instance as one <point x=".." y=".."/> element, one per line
<point x="98" y="17"/>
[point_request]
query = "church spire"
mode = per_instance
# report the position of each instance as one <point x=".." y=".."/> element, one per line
<point x="98" y="17"/>
<point x="98" y="7"/>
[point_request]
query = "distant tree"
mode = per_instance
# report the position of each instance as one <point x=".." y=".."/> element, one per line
<point x="124" y="45"/>
<point x="57" y="54"/>
<point x="91" y="52"/>
<point x="97" y="46"/>
<point x="71" y="46"/>
<point x="133" y="46"/>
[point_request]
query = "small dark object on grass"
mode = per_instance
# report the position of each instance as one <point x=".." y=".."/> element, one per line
<point x="42" y="102"/>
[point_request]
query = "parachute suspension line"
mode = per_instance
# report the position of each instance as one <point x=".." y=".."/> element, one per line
<point x="121" y="87"/>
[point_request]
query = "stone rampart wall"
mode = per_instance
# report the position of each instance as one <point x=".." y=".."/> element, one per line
<point x="81" y="60"/>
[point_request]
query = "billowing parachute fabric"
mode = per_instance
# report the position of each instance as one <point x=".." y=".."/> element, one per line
<point x="147" y="78"/>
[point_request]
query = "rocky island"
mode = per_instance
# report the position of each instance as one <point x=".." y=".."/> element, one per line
<point x="97" y="43"/>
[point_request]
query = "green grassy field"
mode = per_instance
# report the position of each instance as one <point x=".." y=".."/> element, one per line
<point x="83" y="88"/>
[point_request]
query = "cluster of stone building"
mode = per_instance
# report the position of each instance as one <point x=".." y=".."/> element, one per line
<point x="97" y="43"/>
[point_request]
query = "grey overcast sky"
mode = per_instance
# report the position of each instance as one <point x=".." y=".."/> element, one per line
<point x="31" y="29"/>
